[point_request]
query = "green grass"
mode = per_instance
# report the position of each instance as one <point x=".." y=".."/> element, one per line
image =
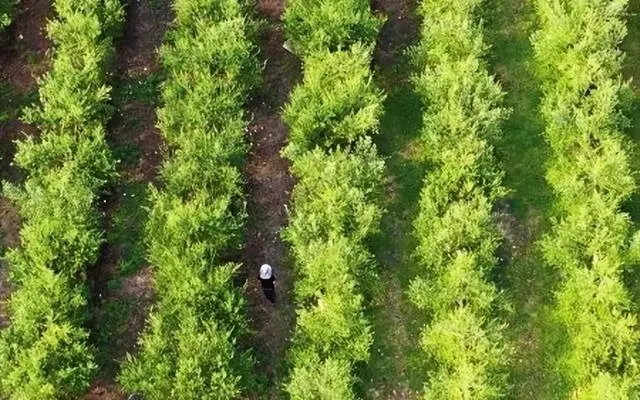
<point x="395" y="358"/>
<point x="522" y="149"/>
<point x="143" y="90"/>
<point x="527" y="283"/>
<point x="113" y="317"/>
<point x="125" y="235"/>
<point x="631" y="71"/>
<point x="395" y="369"/>
<point x="12" y="102"/>
<point x="128" y="154"/>
<point x="631" y="45"/>
<point x="126" y="232"/>
<point x="8" y="102"/>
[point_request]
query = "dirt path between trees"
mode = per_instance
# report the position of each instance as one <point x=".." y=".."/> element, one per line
<point x="24" y="56"/>
<point x="523" y="218"/>
<point x="388" y="375"/>
<point x="121" y="282"/>
<point x="268" y="188"/>
<point x="398" y="32"/>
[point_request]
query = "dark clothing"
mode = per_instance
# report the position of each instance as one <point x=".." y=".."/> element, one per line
<point x="269" y="289"/>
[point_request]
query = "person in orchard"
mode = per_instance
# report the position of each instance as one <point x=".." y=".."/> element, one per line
<point x="267" y="281"/>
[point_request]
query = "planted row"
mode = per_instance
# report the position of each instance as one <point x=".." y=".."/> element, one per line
<point x="589" y="244"/>
<point x="331" y="116"/>
<point x="188" y="349"/>
<point x="457" y="239"/>
<point x="44" y="352"/>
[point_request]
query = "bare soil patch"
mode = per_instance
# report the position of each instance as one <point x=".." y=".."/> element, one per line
<point x="136" y="65"/>
<point x="268" y="188"/>
<point x="516" y="236"/>
<point x="271" y="9"/>
<point x="397" y="34"/>
<point x="24" y="47"/>
<point x="24" y="56"/>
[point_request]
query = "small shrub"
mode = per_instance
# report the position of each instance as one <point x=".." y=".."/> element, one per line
<point x="329" y="25"/>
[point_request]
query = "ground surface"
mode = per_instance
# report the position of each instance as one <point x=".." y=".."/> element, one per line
<point x="526" y="283"/>
<point x="121" y="282"/>
<point x="24" y="56"/>
<point x="268" y="190"/>
<point x="631" y="46"/>
<point x="632" y="72"/>
<point x="394" y="371"/>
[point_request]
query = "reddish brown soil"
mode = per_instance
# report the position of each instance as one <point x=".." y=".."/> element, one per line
<point x="271" y="9"/>
<point x="398" y="33"/>
<point x="9" y="225"/>
<point x="24" y="55"/>
<point x="147" y="22"/>
<point x="103" y="391"/>
<point x="25" y="45"/>
<point x="133" y="125"/>
<point x="268" y="189"/>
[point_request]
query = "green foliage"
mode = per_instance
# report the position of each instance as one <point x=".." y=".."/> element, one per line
<point x="223" y="67"/>
<point x="328" y="25"/>
<point x="126" y="232"/>
<point x="60" y="226"/>
<point x="6" y="12"/>
<point x="313" y="378"/>
<point x="335" y="195"/>
<point x="579" y="63"/>
<point x="335" y="211"/>
<point x="457" y="238"/>
<point x="337" y="114"/>
<point x="74" y="96"/>
<point x="472" y="349"/>
<point x="188" y="349"/>
<point x="44" y="353"/>
<point x="331" y="116"/>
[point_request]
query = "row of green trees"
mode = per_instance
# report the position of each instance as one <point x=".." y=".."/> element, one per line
<point x="590" y="244"/>
<point x="464" y="345"/>
<point x="189" y="350"/>
<point x="331" y="116"/>
<point x="44" y="353"/>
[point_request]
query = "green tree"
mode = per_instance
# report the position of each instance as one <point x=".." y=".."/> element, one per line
<point x="188" y="349"/>
<point x="579" y="64"/>
<point x="457" y="239"/>
<point x="44" y="352"/>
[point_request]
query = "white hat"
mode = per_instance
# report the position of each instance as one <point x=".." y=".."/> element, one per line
<point x="265" y="271"/>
